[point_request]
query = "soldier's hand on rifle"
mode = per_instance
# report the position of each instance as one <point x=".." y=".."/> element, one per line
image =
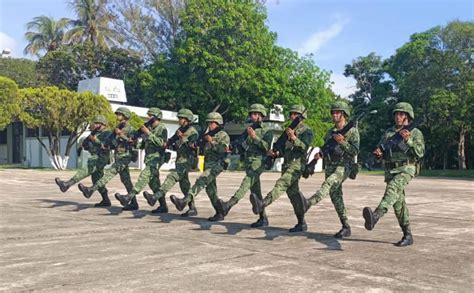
<point x="271" y="153"/>
<point x="339" y="138"/>
<point x="118" y="131"/>
<point x="251" y="132"/>
<point x="145" y="130"/>
<point x="92" y="137"/>
<point x="291" y="134"/>
<point x="405" y="133"/>
<point x="208" y="138"/>
<point x="378" y="152"/>
<point x="317" y="156"/>
<point x="179" y="134"/>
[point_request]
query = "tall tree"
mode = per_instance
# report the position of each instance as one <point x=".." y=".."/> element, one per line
<point x="92" y="24"/>
<point x="9" y="101"/>
<point x="45" y="34"/>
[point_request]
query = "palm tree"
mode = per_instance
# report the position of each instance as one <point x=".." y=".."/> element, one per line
<point x="92" y="24"/>
<point x="47" y="34"/>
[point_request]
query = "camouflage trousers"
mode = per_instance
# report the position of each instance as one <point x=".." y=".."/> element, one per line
<point x="149" y="175"/>
<point x="251" y="181"/>
<point x="394" y="196"/>
<point x="332" y="186"/>
<point x="289" y="182"/>
<point x="181" y="175"/>
<point x="207" y="180"/>
<point x="120" y="166"/>
<point x="95" y="169"/>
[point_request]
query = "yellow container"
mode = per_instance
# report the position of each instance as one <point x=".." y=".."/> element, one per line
<point x="201" y="163"/>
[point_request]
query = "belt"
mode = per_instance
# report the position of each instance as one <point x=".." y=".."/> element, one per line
<point x="392" y="165"/>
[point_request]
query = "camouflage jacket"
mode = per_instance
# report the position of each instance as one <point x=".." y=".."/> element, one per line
<point x="294" y="153"/>
<point x="121" y="142"/>
<point x="184" y="146"/>
<point x="154" y="143"/>
<point x="215" y="152"/>
<point x="404" y="157"/>
<point x="344" y="153"/>
<point x="96" y="148"/>
<point x="258" y="146"/>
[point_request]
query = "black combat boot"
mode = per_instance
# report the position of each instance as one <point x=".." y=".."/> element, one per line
<point x="150" y="198"/>
<point x="224" y="207"/>
<point x="258" y="205"/>
<point x="163" y="208"/>
<point x="304" y="202"/>
<point x="105" y="202"/>
<point x="123" y="199"/>
<point x="132" y="206"/>
<point x="345" y="231"/>
<point x="371" y="217"/>
<point x="180" y="203"/>
<point x="261" y="222"/>
<point x="217" y="217"/>
<point x="64" y="185"/>
<point x="86" y="191"/>
<point x="192" y="212"/>
<point x="407" y="237"/>
<point x="301" y="226"/>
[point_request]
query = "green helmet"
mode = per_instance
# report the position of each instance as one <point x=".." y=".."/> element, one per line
<point x="215" y="117"/>
<point x="100" y="119"/>
<point x="155" y="112"/>
<point x="300" y="109"/>
<point x="186" y="113"/>
<point x="258" y="108"/>
<point x="341" y="106"/>
<point x="404" y="107"/>
<point x="124" y="111"/>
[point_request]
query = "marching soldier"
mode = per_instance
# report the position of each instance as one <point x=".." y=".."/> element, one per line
<point x="400" y="165"/>
<point x="256" y="146"/>
<point x="185" y="161"/>
<point x="294" y="163"/>
<point x="96" y="163"/>
<point x="338" y="164"/>
<point x="154" y="144"/>
<point x="215" y="151"/>
<point x="119" y="141"/>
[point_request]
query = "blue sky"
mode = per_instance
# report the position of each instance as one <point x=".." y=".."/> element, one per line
<point x="335" y="32"/>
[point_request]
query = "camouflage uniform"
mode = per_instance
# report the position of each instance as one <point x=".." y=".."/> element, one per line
<point x="338" y="166"/>
<point x="185" y="161"/>
<point x="154" y="146"/>
<point x="400" y="168"/>
<point x="294" y="155"/>
<point x="214" y="154"/>
<point x="122" y="156"/>
<point x="98" y="159"/>
<point x="255" y="153"/>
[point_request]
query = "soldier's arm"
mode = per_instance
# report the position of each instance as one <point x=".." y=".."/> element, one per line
<point x="126" y="133"/>
<point x="416" y="143"/>
<point x="351" y="143"/>
<point x="265" y="141"/>
<point x="159" y="137"/>
<point x="220" y="143"/>
<point x="303" y="140"/>
<point x="190" y="136"/>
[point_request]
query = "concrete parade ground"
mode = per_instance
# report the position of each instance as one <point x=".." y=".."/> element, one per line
<point x="53" y="241"/>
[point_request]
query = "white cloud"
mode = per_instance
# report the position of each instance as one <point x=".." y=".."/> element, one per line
<point x="318" y="39"/>
<point x="343" y="86"/>
<point x="7" y="42"/>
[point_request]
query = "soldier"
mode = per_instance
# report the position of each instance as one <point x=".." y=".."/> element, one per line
<point x="119" y="141"/>
<point x="154" y="144"/>
<point x="294" y="163"/>
<point x="215" y="151"/>
<point x="400" y="167"/>
<point x="256" y="146"/>
<point x="338" y="164"/>
<point x="185" y="161"/>
<point x="96" y="163"/>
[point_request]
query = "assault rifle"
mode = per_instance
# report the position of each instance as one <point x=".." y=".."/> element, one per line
<point x="110" y="142"/>
<point x="84" y="144"/>
<point x="234" y="146"/>
<point x="279" y="145"/>
<point x="147" y="124"/>
<point x="397" y="138"/>
<point x="171" y="143"/>
<point x="331" y="144"/>
<point x="201" y="141"/>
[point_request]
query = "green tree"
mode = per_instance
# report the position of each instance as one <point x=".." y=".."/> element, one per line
<point x="56" y="111"/>
<point x="46" y="35"/>
<point x="22" y="71"/>
<point x="92" y="24"/>
<point x="9" y="102"/>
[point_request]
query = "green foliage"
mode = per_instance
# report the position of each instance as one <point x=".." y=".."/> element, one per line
<point x="46" y="35"/>
<point x="22" y="71"/>
<point x="9" y="102"/>
<point x="136" y="121"/>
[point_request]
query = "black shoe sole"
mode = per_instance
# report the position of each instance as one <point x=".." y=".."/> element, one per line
<point x="176" y="203"/>
<point x="120" y="199"/>
<point x="220" y="207"/>
<point x="369" y="218"/>
<point x="258" y="225"/>
<point x="61" y="186"/>
<point x="101" y="205"/>
<point x="82" y="188"/>
<point x="150" y="198"/>
<point x="157" y="211"/>
<point x="254" y="200"/>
